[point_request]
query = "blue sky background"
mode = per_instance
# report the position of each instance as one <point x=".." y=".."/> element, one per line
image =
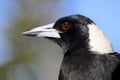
<point x="105" y="13"/>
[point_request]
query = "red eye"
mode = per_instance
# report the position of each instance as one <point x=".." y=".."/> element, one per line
<point x="65" y="26"/>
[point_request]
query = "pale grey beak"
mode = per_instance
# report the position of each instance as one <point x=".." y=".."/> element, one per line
<point x="43" y="31"/>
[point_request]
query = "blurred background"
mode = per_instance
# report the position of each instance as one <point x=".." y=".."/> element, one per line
<point x="25" y="58"/>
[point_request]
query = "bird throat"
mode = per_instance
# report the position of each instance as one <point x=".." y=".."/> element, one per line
<point x="74" y="45"/>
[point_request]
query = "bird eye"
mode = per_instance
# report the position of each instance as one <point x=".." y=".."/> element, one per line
<point x="66" y="26"/>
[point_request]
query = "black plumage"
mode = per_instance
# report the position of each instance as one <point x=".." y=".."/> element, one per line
<point x="88" y="55"/>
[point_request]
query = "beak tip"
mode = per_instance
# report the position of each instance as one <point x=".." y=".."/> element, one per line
<point x="23" y="33"/>
<point x="26" y="33"/>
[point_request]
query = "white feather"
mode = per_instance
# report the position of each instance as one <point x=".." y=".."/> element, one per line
<point x="98" y="40"/>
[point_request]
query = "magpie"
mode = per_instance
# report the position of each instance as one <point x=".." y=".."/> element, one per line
<point x="88" y="54"/>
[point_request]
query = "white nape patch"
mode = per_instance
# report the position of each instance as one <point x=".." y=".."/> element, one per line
<point x="98" y="40"/>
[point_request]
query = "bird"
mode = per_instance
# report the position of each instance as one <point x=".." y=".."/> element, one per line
<point x="88" y="54"/>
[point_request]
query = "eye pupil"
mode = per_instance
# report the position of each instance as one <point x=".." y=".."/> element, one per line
<point x="66" y="26"/>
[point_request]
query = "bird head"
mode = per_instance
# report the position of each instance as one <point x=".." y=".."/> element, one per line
<point x="74" y="31"/>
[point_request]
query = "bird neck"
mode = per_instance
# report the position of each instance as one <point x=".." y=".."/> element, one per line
<point x="75" y="45"/>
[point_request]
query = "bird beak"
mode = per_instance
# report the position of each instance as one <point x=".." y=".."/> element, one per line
<point x="43" y="31"/>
